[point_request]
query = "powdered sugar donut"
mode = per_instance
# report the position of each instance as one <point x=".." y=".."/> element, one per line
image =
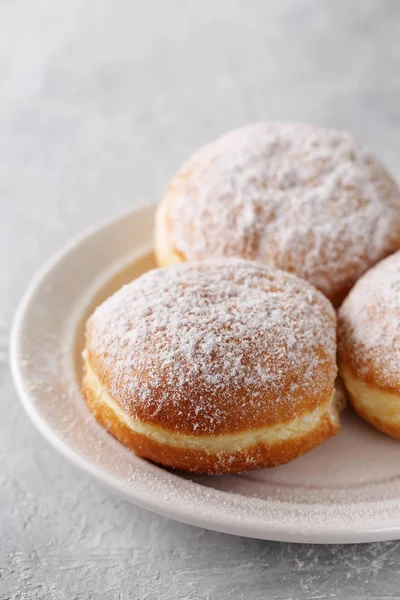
<point x="214" y="367"/>
<point x="301" y="198"/>
<point x="369" y="345"/>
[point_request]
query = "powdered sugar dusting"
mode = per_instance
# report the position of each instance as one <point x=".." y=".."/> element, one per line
<point x="214" y="342"/>
<point x="308" y="200"/>
<point x="327" y="495"/>
<point x="369" y="324"/>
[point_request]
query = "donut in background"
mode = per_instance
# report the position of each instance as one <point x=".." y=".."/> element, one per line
<point x="307" y="200"/>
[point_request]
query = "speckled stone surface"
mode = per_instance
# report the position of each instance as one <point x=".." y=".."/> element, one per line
<point x="99" y="104"/>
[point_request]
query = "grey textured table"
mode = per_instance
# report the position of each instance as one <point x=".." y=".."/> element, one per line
<point x="99" y="104"/>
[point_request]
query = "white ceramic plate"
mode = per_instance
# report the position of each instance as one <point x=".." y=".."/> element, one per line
<point x="347" y="490"/>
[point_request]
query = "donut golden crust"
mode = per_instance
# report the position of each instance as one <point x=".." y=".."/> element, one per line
<point x="304" y="199"/>
<point x="214" y="367"/>
<point x="369" y="345"/>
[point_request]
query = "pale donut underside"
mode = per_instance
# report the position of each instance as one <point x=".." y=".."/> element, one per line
<point x="379" y="407"/>
<point x="266" y="447"/>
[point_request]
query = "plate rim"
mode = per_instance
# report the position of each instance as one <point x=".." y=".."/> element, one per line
<point x="283" y="533"/>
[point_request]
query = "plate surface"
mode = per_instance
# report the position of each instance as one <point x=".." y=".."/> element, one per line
<point x="347" y="490"/>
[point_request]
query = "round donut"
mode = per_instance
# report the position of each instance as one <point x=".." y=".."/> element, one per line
<point x="304" y="199"/>
<point x="369" y="345"/>
<point x="214" y="367"/>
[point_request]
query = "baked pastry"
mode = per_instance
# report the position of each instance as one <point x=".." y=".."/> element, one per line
<point x="369" y="345"/>
<point x="304" y="199"/>
<point x="214" y="367"/>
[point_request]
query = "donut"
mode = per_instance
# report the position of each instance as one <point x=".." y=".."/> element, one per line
<point x="301" y="198"/>
<point x="214" y="366"/>
<point x="369" y="345"/>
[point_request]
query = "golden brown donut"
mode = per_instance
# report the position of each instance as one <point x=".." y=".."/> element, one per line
<point x="369" y="345"/>
<point x="304" y="199"/>
<point x="214" y="367"/>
